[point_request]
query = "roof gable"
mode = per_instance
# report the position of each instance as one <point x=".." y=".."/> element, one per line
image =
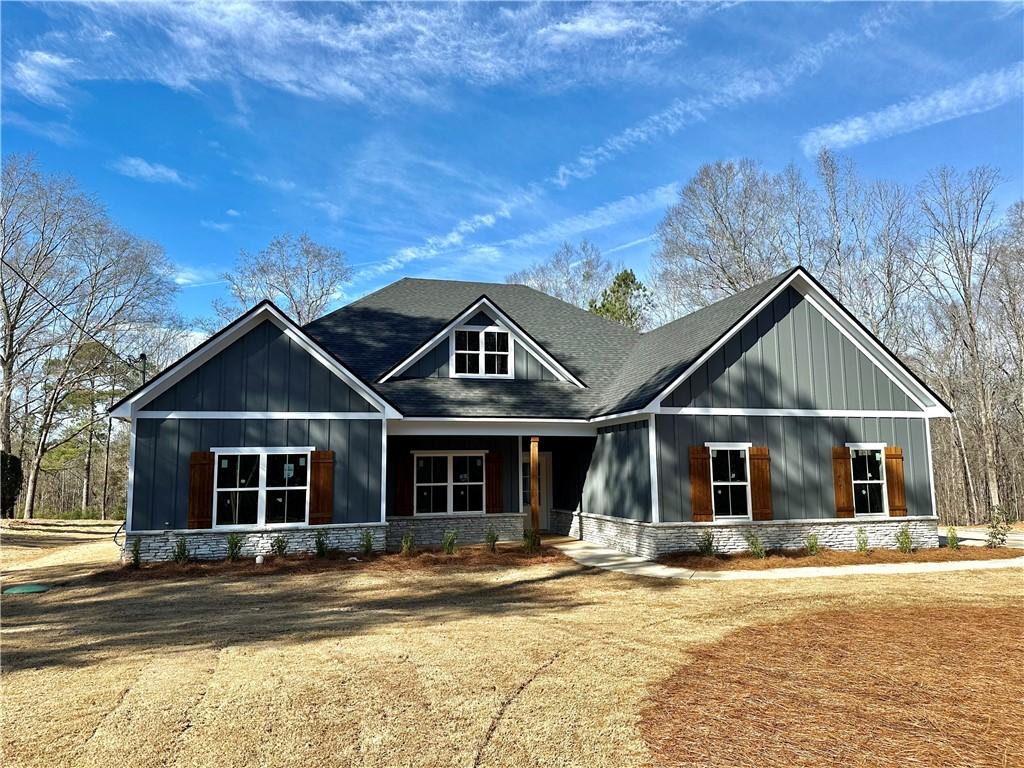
<point x="249" y="337"/>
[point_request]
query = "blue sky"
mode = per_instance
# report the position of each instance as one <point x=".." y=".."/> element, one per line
<point x="466" y="141"/>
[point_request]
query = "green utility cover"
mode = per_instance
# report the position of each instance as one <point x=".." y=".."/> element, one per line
<point x="26" y="589"/>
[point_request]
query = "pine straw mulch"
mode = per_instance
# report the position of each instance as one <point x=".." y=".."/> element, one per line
<point x="464" y="559"/>
<point x="919" y="686"/>
<point x="798" y="558"/>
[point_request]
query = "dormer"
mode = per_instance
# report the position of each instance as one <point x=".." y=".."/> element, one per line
<point x="482" y="342"/>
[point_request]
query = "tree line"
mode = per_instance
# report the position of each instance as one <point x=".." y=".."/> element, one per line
<point x="934" y="270"/>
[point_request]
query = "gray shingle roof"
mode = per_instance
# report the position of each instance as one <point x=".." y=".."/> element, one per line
<point x="622" y="370"/>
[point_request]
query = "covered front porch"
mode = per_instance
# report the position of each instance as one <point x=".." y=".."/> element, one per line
<point x="471" y="478"/>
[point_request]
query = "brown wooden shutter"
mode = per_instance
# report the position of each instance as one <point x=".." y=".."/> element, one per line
<point x="842" y="480"/>
<point x="493" y="494"/>
<point x="200" y="490"/>
<point x="760" y="483"/>
<point x="321" y="487"/>
<point x="700" y="484"/>
<point x="405" y="466"/>
<point x="894" y="481"/>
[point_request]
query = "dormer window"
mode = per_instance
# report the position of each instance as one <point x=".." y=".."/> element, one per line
<point x="482" y="352"/>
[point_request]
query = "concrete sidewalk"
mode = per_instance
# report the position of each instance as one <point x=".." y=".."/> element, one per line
<point x="594" y="556"/>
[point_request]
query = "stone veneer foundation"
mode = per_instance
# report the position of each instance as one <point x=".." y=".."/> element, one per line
<point x="213" y="544"/>
<point x="651" y="540"/>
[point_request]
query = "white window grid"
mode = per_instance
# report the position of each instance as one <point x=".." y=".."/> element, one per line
<point x="880" y="480"/>
<point x="450" y="482"/>
<point x="745" y="447"/>
<point x="261" y="488"/>
<point x="481" y="352"/>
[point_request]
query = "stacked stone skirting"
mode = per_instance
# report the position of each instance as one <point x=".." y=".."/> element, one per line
<point x="213" y="545"/>
<point x="469" y="529"/>
<point x="428" y="532"/>
<point x="651" y="540"/>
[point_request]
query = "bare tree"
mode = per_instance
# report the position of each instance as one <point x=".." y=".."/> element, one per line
<point x="576" y="274"/>
<point x="297" y="272"/>
<point x="957" y="265"/>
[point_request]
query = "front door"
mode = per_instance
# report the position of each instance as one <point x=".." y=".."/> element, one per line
<point x="544" y="475"/>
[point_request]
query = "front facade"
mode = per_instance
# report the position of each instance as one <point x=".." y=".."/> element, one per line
<point x="435" y="406"/>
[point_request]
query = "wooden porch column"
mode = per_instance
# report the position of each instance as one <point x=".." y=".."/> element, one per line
<point x="534" y="483"/>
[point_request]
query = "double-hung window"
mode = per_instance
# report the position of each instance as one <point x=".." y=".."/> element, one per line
<point x="869" y="496"/>
<point x="261" y="486"/>
<point x="449" y="483"/>
<point x="482" y="352"/>
<point x="730" y="480"/>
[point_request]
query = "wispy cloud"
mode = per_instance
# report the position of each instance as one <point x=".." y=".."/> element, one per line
<point x="737" y="90"/>
<point x="137" y="168"/>
<point x="218" y="226"/>
<point x="59" y="133"/>
<point x="372" y="53"/>
<point x="630" y="244"/>
<point x="232" y="212"/>
<point x="196" y="277"/>
<point x="979" y="94"/>
<point x="281" y="185"/>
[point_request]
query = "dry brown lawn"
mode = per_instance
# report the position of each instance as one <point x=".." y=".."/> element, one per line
<point x="798" y="558"/>
<point x="452" y="664"/>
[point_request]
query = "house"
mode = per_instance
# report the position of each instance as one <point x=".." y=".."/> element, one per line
<point x="436" y="405"/>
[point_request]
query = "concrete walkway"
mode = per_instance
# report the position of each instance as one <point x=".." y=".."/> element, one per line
<point x="593" y="556"/>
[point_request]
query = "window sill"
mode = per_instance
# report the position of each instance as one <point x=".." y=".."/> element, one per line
<point x="448" y="514"/>
<point x="264" y="527"/>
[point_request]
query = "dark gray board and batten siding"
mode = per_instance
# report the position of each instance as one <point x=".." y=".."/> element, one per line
<point x="800" y="450"/>
<point x="263" y="371"/>
<point x="790" y="356"/>
<point x="618" y="482"/>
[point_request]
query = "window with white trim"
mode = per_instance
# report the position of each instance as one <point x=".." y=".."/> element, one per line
<point x="730" y="480"/>
<point x="448" y="483"/>
<point x="869" y="495"/>
<point x="261" y="486"/>
<point x="482" y="352"/>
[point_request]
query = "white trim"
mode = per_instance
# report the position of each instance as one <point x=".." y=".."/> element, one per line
<point x="254" y="449"/>
<point x="262" y="489"/>
<point x="745" y="447"/>
<point x="450" y="483"/>
<point x="883" y="481"/>
<point x="520" y="494"/>
<point x="549" y="362"/>
<point x="652" y="450"/>
<point x="130" y="501"/>
<point x="750" y="523"/>
<point x="931" y="471"/>
<point x="482" y="353"/>
<point x="622" y="415"/>
<point x="270" y="415"/>
<point x="494" y="420"/>
<point x="490" y="428"/>
<point x="826" y="413"/>
<point x="230" y="334"/>
<point x="383" y="471"/>
<point x="806" y="287"/>
<point x="249" y="529"/>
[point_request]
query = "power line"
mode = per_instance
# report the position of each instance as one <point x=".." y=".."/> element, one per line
<point x="65" y="315"/>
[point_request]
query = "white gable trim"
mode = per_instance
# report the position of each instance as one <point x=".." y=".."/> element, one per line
<point x="557" y="369"/>
<point x="832" y="312"/>
<point x="232" y="333"/>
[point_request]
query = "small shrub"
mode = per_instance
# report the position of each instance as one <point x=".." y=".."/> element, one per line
<point x="136" y="552"/>
<point x="279" y="545"/>
<point x="492" y="539"/>
<point x="531" y="540"/>
<point x="448" y="542"/>
<point x="408" y="543"/>
<point x="998" y="527"/>
<point x="904" y="541"/>
<point x="952" y="538"/>
<point x="366" y="545"/>
<point x="756" y="545"/>
<point x="180" y="554"/>
<point x="320" y="542"/>
<point x="811" y="544"/>
<point x="234" y="546"/>
<point x="862" y="541"/>
<point x="706" y="544"/>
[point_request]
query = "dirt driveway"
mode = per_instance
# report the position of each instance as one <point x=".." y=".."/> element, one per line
<point x="368" y="665"/>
